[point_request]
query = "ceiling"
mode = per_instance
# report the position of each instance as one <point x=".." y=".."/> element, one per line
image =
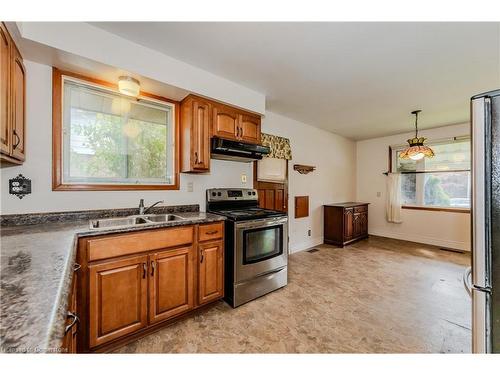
<point x="359" y="80"/>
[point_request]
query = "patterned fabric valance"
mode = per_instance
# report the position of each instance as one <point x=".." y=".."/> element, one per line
<point x="280" y="147"/>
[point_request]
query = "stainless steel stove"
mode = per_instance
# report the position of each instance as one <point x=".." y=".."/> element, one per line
<point x="256" y="244"/>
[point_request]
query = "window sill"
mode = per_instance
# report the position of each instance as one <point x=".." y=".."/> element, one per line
<point x="442" y="209"/>
<point x="102" y="187"/>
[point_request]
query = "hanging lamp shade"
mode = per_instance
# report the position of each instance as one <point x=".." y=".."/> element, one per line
<point x="416" y="150"/>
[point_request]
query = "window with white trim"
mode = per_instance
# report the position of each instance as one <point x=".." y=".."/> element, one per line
<point x="442" y="181"/>
<point x="112" y="139"/>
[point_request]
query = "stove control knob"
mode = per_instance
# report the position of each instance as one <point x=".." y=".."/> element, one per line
<point x="219" y="193"/>
<point x="253" y="192"/>
<point x="249" y="193"/>
<point x="213" y="193"/>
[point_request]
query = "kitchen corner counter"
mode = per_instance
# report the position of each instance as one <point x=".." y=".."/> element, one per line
<point x="36" y="269"/>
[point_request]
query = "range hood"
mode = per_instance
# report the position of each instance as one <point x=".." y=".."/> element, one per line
<point x="225" y="149"/>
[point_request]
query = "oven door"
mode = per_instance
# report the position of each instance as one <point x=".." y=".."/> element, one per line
<point x="261" y="247"/>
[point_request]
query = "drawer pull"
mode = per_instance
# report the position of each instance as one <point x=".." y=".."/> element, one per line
<point x="212" y="232"/>
<point x="73" y="322"/>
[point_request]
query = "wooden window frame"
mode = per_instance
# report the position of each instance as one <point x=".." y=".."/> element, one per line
<point x="427" y="208"/>
<point x="57" y="157"/>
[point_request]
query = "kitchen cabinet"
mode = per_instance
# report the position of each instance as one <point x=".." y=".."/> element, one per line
<point x="226" y="122"/>
<point x="118" y="298"/>
<point x="345" y="223"/>
<point x="201" y="119"/>
<point x="12" y="101"/>
<point x="132" y="283"/>
<point x="210" y="272"/>
<point x="196" y="119"/>
<point x="171" y="285"/>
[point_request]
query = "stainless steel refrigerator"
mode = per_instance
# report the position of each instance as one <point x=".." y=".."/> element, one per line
<point x="484" y="285"/>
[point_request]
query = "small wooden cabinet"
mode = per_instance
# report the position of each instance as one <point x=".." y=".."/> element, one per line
<point x="211" y="268"/>
<point x="196" y="123"/>
<point x="131" y="283"/>
<point x="201" y="119"/>
<point x="12" y="101"/>
<point x="345" y="223"/>
<point x="171" y="285"/>
<point x="118" y="298"/>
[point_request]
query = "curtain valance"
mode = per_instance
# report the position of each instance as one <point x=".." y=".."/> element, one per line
<point x="280" y="146"/>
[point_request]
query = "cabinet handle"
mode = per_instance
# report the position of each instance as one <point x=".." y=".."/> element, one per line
<point x="76" y="267"/>
<point x="18" y="140"/>
<point x="144" y="270"/>
<point x="152" y="267"/>
<point x="195" y="157"/>
<point x="212" y="232"/>
<point x="202" y="255"/>
<point x="73" y="322"/>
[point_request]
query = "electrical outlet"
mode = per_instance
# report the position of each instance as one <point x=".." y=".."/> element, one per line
<point x="244" y="178"/>
<point x="379" y="194"/>
<point x="309" y="233"/>
<point x="190" y="187"/>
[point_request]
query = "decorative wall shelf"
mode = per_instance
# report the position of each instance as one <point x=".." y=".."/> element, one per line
<point x="303" y="169"/>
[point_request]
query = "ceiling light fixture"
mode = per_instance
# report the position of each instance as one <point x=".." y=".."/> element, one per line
<point x="416" y="150"/>
<point x="129" y="86"/>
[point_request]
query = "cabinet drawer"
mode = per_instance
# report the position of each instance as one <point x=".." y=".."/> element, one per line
<point x="113" y="246"/>
<point x="361" y="209"/>
<point x="210" y="231"/>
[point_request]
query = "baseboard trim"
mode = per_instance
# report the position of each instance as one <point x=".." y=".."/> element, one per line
<point x="305" y="245"/>
<point x="458" y="245"/>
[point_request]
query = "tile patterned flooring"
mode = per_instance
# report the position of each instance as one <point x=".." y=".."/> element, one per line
<point x="376" y="296"/>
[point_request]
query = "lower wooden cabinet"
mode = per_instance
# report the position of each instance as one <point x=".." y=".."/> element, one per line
<point x="124" y="295"/>
<point x="171" y="285"/>
<point x="345" y="223"/>
<point x="118" y="293"/>
<point x="211" y="268"/>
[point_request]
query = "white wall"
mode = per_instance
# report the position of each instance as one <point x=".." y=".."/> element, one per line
<point x="446" y="229"/>
<point x="38" y="166"/>
<point x="333" y="180"/>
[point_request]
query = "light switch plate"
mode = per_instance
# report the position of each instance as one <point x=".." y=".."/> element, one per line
<point x="244" y="178"/>
<point x="379" y="194"/>
<point x="190" y="187"/>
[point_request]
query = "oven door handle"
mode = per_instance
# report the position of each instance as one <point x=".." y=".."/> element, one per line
<point x="261" y="223"/>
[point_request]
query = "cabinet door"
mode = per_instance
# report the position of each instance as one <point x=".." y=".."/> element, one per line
<point x="225" y="122"/>
<point x="5" y="45"/>
<point x="210" y="274"/>
<point x="117" y="298"/>
<point x="364" y="224"/>
<point x="250" y="128"/>
<point x="200" y="136"/>
<point x="171" y="285"/>
<point x="17" y="105"/>
<point x="348" y="224"/>
<point x="356" y="224"/>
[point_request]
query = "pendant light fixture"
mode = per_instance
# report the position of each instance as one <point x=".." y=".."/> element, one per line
<point x="416" y="150"/>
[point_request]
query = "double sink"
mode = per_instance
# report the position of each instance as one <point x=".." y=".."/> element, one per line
<point x="135" y="220"/>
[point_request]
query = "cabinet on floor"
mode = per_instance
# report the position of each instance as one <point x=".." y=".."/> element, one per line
<point x="345" y="223"/>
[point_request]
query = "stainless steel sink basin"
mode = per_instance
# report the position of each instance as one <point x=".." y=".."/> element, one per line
<point x="131" y="221"/>
<point x="163" y="218"/>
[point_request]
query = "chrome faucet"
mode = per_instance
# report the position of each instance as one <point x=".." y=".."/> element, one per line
<point x="143" y="210"/>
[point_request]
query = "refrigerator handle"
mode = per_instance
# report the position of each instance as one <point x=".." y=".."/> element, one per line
<point x="466" y="278"/>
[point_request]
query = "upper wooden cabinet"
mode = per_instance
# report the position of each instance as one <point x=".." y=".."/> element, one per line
<point x="195" y="132"/>
<point x="12" y="101"/>
<point x="202" y="119"/>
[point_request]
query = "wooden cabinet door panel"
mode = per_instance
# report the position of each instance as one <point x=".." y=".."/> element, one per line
<point x="225" y="123"/>
<point x="249" y="128"/>
<point x="171" y="287"/>
<point x="348" y="224"/>
<point x="5" y="131"/>
<point x="211" y="277"/>
<point x="201" y="135"/>
<point x="118" y="298"/>
<point x="18" y="105"/>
